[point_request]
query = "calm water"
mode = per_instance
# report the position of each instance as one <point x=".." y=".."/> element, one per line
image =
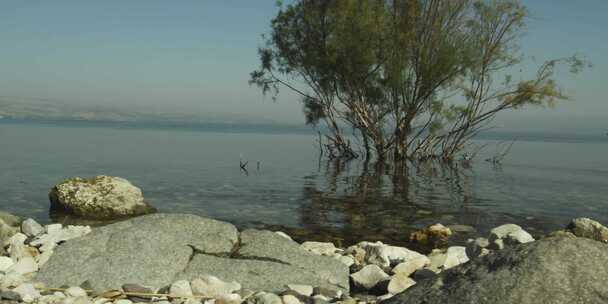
<point x="542" y="183"/>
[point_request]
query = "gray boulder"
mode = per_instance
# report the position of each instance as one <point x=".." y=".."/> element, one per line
<point x="552" y="270"/>
<point x="157" y="250"/>
<point x="101" y="197"/>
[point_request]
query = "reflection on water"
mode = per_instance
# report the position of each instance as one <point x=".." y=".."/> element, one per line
<point x="540" y="186"/>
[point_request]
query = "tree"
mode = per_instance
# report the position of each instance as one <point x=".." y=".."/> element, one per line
<point x="411" y="78"/>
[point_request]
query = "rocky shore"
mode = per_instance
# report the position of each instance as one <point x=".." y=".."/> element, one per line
<point x="181" y="258"/>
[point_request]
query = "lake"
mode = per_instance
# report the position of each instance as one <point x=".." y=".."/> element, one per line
<point x="544" y="181"/>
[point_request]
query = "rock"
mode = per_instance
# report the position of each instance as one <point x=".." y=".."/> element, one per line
<point x="497" y="244"/>
<point x="320" y="248"/>
<point x="456" y="255"/>
<point x="476" y="247"/>
<point x="399" y="283"/>
<point x="10" y="219"/>
<point x="210" y="286"/>
<point x="357" y="253"/>
<point x="16" y="246"/>
<point x="27" y="292"/>
<point x="264" y="298"/>
<point x="320" y="299"/>
<point x="385" y="297"/>
<point x="5" y="263"/>
<point x="407" y="268"/>
<point x="283" y="234"/>
<point x="75" y="291"/>
<point x="53" y="228"/>
<point x="502" y="231"/>
<point x="180" y="288"/>
<point x="31" y="228"/>
<point x="435" y="235"/>
<point x="24" y="266"/>
<point x="267" y="261"/>
<point x="136" y="288"/>
<point x="305" y="290"/>
<point x="123" y="301"/>
<point x="423" y="274"/>
<point x="551" y="270"/>
<point x="158" y="249"/>
<point x="518" y="237"/>
<point x="345" y="259"/>
<point x="289" y="299"/>
<point x="368" y="277"/>
<point x="326" y="292"/>
<point x="588" y="228"/>
<point x="232" y="298"/>
<point x="101" y="197"/>
<point x="10" y="295"/>
<point x="49" y="241"/>
<point x="462" y="228"/>
<point x="12" y="279"/>
<point x="386" y="255"/>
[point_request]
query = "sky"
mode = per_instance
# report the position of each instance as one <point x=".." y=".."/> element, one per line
<point x="195" y="56"/>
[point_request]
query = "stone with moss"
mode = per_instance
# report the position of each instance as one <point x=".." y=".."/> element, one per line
<point x="101" y="197"/>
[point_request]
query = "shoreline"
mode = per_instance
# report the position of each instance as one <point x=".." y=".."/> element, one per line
<point x="375" y="271"/>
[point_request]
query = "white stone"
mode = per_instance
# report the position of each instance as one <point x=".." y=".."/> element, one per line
<point x="305" y="290"/>
<point x="24" y="266"/>
<point x="123" y="301"/>
<point x="49" y="241"/>
<point x="289" y="299"/>
<point x="518" y="237"/>
<point x="16" y="246"/>
<point x="266" y="298"/>
<point x="27" y="292"/>
<point x="345" y="259"/>
<point x="386" y="255"/>
<point x="5" y="263"/>
<point x="283" y="234"/>
<point x="369" y="276"/>
<point x="181" y="289"/>
<point x="76" y="300"/>
<point x="51" y="299"/>
<point x="75" y="291"/>
<point x="455" y="256"/>
<point x="320" y="248"/>
<point x="475" y="247"/>
<point x="104" y="301"/>
<point x="210" y="286"/>
<point x="12" y="279"/>
<point x="232" y="298"/>
<point x="31" y="228"/>
<point x="385" y="297"/>
<point x="410" y="266"/>
<point x="399" y="283"/>
<point x="502" y="231"/>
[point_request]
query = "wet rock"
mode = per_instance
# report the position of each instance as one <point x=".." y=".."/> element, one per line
<point x="210" y="286"/>
<point x="409" y="267"/>
<point x="399" y="283"/>
<point x="518" y="237"/>
<point x="551" y="270"/>
<point x="442" y="260"/>
<point x="588" y="228"/>
<point x="502" y="231"/>
<point x="435" y="235"/>
<point x="31" y="228"/>
<point x="368" y="277"/>
<point x="477" y="247"/>
<point x="385" y="255"/>
<point x="181" y="289"/>
<point x="101" y="197"/>
<point x="320" y="248"/>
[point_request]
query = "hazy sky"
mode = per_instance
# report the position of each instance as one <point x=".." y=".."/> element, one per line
<point x="196" y="55"/>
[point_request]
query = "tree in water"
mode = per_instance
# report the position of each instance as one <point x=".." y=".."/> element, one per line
<point x="412" y="79"/>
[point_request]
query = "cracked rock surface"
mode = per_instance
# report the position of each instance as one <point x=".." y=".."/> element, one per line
<point x="158" y="249"/>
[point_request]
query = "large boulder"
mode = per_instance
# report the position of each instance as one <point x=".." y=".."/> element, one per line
<point x="157" y="250"/>
<point x="552" y="270"/>
<point x="101" y="197"/>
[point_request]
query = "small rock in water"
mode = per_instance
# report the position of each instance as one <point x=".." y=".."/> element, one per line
<point x="305" y="290"/>
<point x="456" y="255"/>
<point x="435" y="235"/>
<point x="588" y="228"/>
<point x="181" y="289"/>
<point x="27" y="292"/>
<point x="518" y="237"/>
<point x="502" y="231"/>
<point x="210" y="286"/>
<point x="320" y="248"/>
<point x="368" y="277"/>
<point x="31" y="228"/>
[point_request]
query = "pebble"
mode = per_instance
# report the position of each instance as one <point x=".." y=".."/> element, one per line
<point x="326" y="292"/>
<point x="181" y="289"/>
<point x="211" y="286"/>
<point x="386" y="255"/>
<point x="31" y="228"/>
<point x="368" y="277"/>
<point x="136" y="288"/>
<point x="232" y="298"/>
<point x="455" y="256"/>
<point x="75" y="291"/>
<point x="409" y="267"/>
<point x="399" y="283"/>
<point x="305" y="290"/>
<point x="502" y="231"/>
<point x="289" y="299"/>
